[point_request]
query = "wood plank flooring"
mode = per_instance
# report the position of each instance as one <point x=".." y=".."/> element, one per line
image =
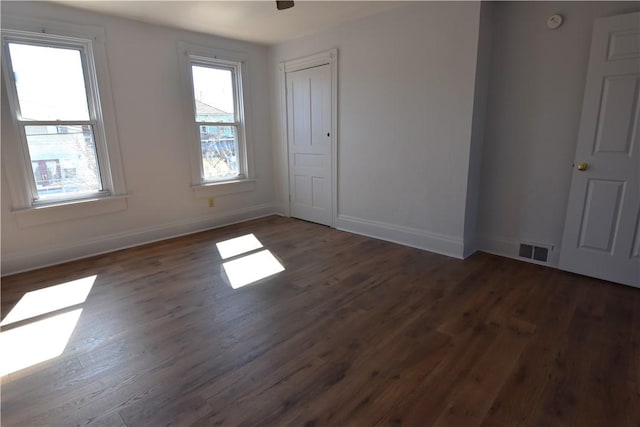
<point x="354" y="332"/>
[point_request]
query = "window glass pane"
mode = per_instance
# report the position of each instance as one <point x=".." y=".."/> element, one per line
<point x="213" y="94"/>
<point x="64" y="161"/>
<point x="50" y="82"/>
<point x="219" y="145"/>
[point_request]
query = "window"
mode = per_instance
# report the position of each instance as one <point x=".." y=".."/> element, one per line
<point x="53" y="90"/>
<point x="218" y="119"/>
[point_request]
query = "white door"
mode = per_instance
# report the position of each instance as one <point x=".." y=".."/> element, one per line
<point x="602" y="230"/>
<point x="309" y="135"/>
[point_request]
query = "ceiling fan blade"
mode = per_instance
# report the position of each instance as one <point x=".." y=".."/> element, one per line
<point x="282" y="5"/>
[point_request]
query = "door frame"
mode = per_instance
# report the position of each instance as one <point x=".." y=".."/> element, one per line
<point x="329" y="57"/>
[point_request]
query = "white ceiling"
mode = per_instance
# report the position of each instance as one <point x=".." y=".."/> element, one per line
<point x="254" y="21"/>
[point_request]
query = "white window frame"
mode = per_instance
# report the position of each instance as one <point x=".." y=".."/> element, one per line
<point x="95" y="112"/>
<point x="191" y="54"/>
<point x="90" y="41"/>
<point x="238" y="111"/>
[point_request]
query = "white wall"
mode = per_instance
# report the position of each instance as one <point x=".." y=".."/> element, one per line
<point x="144" y="71"/>
<point x="405" y="104"/>
<point x="535" y="99"/>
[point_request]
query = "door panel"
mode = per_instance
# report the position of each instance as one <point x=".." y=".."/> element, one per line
<point x="318" y="191"/>
<point x="308" y="160"/>
<point x="601" y="214"/>
<point x="624" y="45"/>
<point x="301" y="189"/>
<point x="618" y="115"/>
<point x="309" y="134"/>
<point x="600" y="234"/>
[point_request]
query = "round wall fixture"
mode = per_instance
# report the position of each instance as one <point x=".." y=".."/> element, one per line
<point x="554" y="21"/>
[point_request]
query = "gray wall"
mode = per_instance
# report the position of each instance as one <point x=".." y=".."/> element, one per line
<point x="405" y="103"/>
<point x="535" y="99"/>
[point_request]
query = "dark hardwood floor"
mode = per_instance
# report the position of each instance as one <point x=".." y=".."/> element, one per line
<point x="354" y="332"/>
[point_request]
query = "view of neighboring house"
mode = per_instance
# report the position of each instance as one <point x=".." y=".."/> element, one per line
<point x="219" y="144"/>
<point x="63" y="159"/>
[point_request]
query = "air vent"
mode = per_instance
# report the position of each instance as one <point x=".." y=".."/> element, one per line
<point x="540" y="254"/>
<point x="534" y="252"/>
<point x="526" y="251"/>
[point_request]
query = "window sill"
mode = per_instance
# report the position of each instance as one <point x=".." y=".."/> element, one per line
<point x="223" y="188"/>
<point x="69" y="210"/>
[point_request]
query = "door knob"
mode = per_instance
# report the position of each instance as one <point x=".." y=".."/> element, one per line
<point x="582" y="166"/>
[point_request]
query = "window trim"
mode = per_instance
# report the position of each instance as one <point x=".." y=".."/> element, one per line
<point x="93" y="106"/>
<point x="191" y="54"/>
<point x="238" y="105"/>
<point x="90" y="41"/>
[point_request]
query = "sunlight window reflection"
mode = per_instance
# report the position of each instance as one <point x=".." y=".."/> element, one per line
<point x="251" y="268"/>
<point x="36" y="342"/>
<point x="238" y="245"/>
<point x="50" y="299"/>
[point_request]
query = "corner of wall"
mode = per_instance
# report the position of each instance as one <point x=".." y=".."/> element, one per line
<point x="481" y="95"/>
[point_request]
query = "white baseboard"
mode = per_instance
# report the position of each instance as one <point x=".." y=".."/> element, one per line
<point x="510" y="248"/>
<point x="12" y="264"/>
<point x="416" y="238"/>
<point x="413" y="237"/>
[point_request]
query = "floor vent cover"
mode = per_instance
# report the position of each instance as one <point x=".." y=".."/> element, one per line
<point x="536" y="253"/>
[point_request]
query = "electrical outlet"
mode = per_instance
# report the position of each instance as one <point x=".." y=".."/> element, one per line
<point x="211" y="204"/>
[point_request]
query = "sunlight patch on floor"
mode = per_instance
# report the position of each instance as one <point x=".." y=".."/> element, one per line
<point x="47" y="300"/>
<point x="40" y="339"/>
<point x="251" y="268"/>
<point x="36" y="342"/>
<point x="238" y="245"/>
